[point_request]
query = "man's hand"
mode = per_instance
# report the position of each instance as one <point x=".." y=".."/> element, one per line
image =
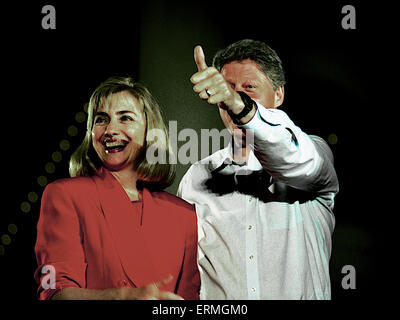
<point x="212" y="86"/>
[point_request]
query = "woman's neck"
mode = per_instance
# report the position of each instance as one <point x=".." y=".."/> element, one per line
<point x="128" y="178"/>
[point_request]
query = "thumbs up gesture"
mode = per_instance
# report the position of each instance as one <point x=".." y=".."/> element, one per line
<point x="210" y="84"/>
<point x="199" y="58"/>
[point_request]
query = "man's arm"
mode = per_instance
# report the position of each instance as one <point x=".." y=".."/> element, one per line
<point x="288" y="154"/>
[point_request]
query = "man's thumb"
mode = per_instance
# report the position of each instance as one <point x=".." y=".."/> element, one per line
<point x="200" y="58"/>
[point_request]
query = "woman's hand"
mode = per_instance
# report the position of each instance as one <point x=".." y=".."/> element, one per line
<point x="149" y="292"/>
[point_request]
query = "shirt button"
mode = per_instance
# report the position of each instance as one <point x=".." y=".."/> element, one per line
<point x="250" y="199"/>
<point x="251" y="257"/>
<point x="122" y="283"/>
<point x="253" y="289"/>
<point x="250" y="227"/>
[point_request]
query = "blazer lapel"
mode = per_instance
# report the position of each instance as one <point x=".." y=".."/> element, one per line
<point x="125" y="229"/>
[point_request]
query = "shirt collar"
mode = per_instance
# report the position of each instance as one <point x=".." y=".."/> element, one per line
<point x="225" y="157"/>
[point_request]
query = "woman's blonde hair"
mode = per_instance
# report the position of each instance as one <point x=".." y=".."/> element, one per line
<point x="84" y="161"/>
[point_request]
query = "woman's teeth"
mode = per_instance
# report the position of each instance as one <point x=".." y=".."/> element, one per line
<point x="115" y="144"/>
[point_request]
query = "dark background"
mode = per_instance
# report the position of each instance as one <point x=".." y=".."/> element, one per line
<point x="332" y="88"/>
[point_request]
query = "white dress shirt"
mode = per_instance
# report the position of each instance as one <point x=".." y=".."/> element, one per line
<point x="279" y="249"/>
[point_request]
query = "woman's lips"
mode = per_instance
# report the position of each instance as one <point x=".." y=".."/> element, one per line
<point x="114" y="146"/>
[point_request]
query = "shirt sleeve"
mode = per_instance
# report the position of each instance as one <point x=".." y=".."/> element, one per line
<point x="185" y="187"/>
<point x="58" y="249"/>
<point x="290" y="155"/>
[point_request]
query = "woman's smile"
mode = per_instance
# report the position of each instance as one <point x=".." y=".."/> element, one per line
<point x="114" y="146"/>
<point x="119" y="131"/>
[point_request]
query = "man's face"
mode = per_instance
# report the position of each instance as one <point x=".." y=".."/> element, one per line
<point x="248" y="77"/>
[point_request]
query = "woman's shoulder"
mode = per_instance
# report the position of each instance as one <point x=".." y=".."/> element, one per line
<point x="79" y="185"/>
<point x="166" y="198"/>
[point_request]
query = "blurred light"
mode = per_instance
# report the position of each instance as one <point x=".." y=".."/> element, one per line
<point x="12" y="228"/>
<point x="5" y="239"/>
<point x="64" y="145"/>
<point x="56" y="156"/>
<point x="332" y="139"/>
<point x="42" y="181"/>
<point x="25" y="207"/>
<point x="72" y="131"/>
<point x="2" y="250"/>
<point x="32" y="196"/>
<point x="50" y="167"/>
<point x="80" y="117"/>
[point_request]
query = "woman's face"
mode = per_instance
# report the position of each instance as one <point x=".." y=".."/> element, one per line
<point x="119" y="131"/>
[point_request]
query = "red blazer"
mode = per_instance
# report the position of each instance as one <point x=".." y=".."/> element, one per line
<point x="89" y="233"/>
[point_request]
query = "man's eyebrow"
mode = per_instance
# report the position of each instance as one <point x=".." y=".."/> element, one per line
<point x="252" y="80"/>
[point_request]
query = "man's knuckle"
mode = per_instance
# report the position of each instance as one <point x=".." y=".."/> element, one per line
<point x="225" y="92"/>
<point x="220" y="77"/>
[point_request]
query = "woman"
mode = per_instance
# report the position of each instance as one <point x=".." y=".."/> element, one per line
<point x="109" y="232"/>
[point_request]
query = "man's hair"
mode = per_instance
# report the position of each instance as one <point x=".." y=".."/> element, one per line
<point x="257" y="51"/>
<point x="84" y="161"/>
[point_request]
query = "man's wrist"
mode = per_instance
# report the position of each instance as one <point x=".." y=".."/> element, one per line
<point x="245" y="112"/>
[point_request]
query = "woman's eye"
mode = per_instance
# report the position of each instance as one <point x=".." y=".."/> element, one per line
<point x="100" y="120"/>
<point x="249" y="86"/>
<point x="126" y="118"/>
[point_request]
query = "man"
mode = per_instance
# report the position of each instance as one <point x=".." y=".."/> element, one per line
<point x="264" y="205"/>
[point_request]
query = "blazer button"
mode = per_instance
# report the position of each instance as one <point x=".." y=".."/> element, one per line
<point x="122" y="283"/>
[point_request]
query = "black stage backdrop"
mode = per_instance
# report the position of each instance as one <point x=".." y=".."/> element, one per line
<point x="334" y="86"/>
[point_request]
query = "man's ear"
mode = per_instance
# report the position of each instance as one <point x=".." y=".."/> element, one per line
<point x="279" y="96"/>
